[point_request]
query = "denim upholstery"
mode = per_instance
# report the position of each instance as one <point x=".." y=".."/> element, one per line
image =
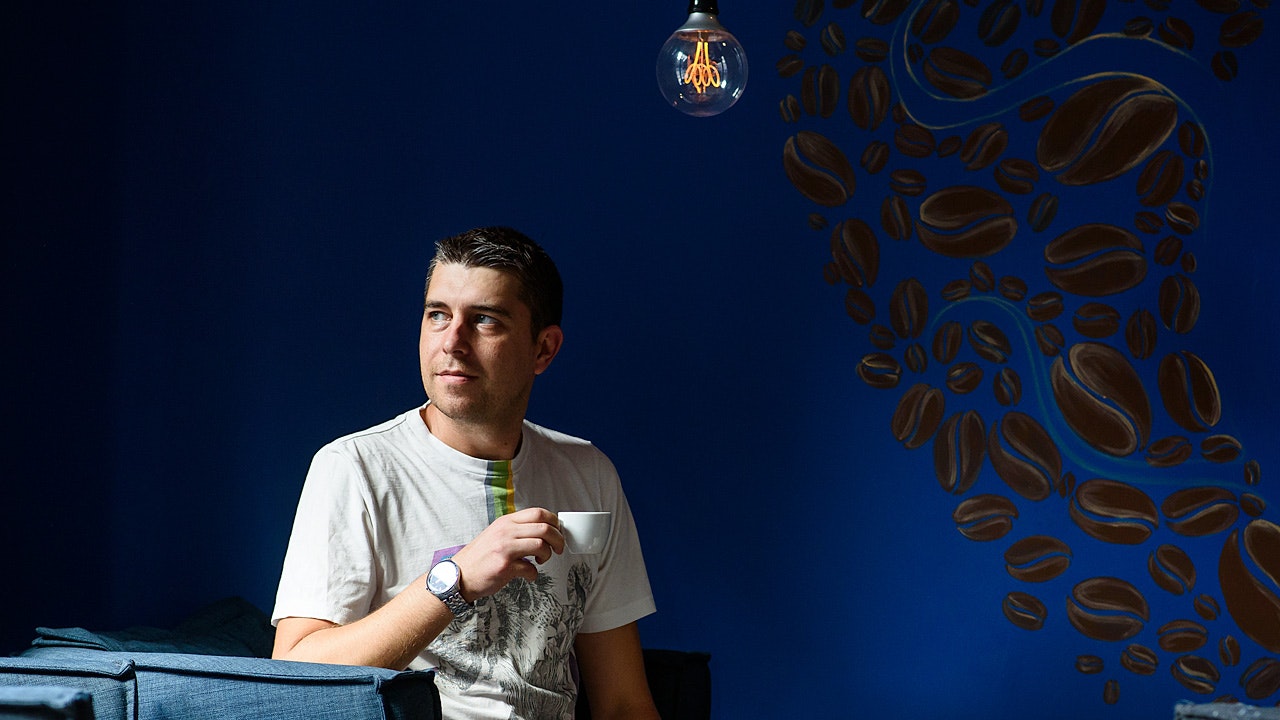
<point x="213" y="665"/>
<point x="45" y="703"/>
<point x="184" y="686"/>
<point x="108" y="679"/>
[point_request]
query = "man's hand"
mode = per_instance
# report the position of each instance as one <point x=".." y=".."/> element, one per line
<point x="502" y="552"/>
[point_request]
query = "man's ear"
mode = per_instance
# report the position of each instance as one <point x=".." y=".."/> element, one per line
<point x="548" y="346"/>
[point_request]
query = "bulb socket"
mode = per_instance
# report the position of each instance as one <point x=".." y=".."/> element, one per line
<point x="703" y="6"/>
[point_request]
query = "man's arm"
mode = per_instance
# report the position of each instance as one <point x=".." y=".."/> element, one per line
<point x="393" y="635"/>
<point x="390" y="637"/>
<point x="612" y="667"/>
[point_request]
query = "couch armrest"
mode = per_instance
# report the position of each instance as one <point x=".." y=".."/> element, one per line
<point x="159" y="685"/>
<point x="46" y="702"/>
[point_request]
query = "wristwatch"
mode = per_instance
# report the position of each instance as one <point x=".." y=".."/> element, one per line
<point x="444" y="582"/>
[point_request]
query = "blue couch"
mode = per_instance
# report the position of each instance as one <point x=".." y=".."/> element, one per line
<point x="130" y="685"/>
<point x="214" y="665"/>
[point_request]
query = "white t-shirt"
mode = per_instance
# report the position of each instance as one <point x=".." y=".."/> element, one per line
<point x="380" y="507"/>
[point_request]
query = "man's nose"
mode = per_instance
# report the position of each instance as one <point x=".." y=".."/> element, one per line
<point x="456" y="338"/>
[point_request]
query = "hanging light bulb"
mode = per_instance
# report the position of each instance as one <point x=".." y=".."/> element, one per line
<point x="702" y="68"/>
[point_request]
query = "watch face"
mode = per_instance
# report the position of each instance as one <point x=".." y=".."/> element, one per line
<point x="442" y="577"/>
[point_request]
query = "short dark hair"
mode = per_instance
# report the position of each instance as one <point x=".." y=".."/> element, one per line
<point x="508" y="250"/>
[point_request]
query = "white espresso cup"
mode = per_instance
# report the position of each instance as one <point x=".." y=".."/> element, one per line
<point x="585" y="533"/>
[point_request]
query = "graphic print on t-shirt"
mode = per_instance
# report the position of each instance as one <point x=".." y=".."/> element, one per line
<point x="518" y="640"/>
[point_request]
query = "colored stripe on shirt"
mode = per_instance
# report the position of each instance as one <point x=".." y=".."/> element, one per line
<point x="500" y="492"/>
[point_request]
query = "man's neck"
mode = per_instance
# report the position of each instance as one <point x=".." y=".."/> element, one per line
<point x="483" y="442"/>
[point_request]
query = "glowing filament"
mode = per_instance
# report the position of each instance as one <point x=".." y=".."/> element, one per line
<point x="701" y="72"/>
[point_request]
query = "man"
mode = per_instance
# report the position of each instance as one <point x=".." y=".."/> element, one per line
<point x="460" y="495"/>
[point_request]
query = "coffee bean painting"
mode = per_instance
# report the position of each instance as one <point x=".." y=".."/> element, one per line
<point x="1015" y="218"/>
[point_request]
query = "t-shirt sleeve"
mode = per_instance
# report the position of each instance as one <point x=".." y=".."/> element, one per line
<point x="621" y="594"/>
<point x="330" y="568"/>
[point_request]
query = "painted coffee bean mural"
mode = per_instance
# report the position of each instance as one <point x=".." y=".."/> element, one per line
<point x="1090" y="664"/>
<point x="1107" y="609"/>
<point x="1206" y="607"/>
<point x="1261" y="679"/>
<point x="946" y="341"/>
<point x="1229" y="651"/>
<point x="1172" y="569"/>
<point x="1140" y="659"/>
<point x="1200" y="510"/>
<point x="1114" y="512"/>
<point x="1095" y="260"/>
<point x="1008" y="387"/>
<point x="983" y="279"/>
<point x="919" y="414"/>
<point x="819" y="168"/>
<point x="1038" y="558"/>
<point x="1045" y="306"/>
<point x="1189" y="391"/>
<point x="1102" y="399"/>
<point x="1181" y="636"/>
<point x="1024" y="456"/>
<point x="1140" y="334"/>
<point x="1179" y="303"/>
<point x="964" y="377"/>
<point x="1025" y="610"/>
<point x="1220" y="448"/>
<point x="855" y="253"/>
<point x="1249" y="570"/>
<point x="1111" y="692"/>
<point x="1169" y="451"/>
<point x="1252" y="505"/>
<point x="1197" y="674"/>
<point x="966" y="221"/>
<point x="984" y="518"/>
<point x="1096" y="320"/>
<point x="1105" y="129"/>
<point x="1020" y="240"/>
<point x="959" y="450"/>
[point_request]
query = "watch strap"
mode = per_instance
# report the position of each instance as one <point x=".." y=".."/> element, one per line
<point x="453" y="600"/>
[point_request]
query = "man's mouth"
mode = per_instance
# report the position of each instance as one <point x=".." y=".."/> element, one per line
<point x="454" y="375"/>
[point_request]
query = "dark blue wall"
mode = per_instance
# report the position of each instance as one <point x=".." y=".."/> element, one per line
<point x="217" y="223"/>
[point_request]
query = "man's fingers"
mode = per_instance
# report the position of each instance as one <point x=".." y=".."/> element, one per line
<point x="533" y="547"/>
<point x="545" y="532"/>
<point x="522" y="568"/>
<point x="533" y="515"/>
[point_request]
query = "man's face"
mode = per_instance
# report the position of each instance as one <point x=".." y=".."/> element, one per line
<point x="477" y="350"/>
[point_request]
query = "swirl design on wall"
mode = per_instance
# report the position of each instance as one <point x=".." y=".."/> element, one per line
<point x="1016" y="198"/>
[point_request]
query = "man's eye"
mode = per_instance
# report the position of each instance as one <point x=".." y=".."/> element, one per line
<point x="486" y="320"/>
<point x="436" y="316"/>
